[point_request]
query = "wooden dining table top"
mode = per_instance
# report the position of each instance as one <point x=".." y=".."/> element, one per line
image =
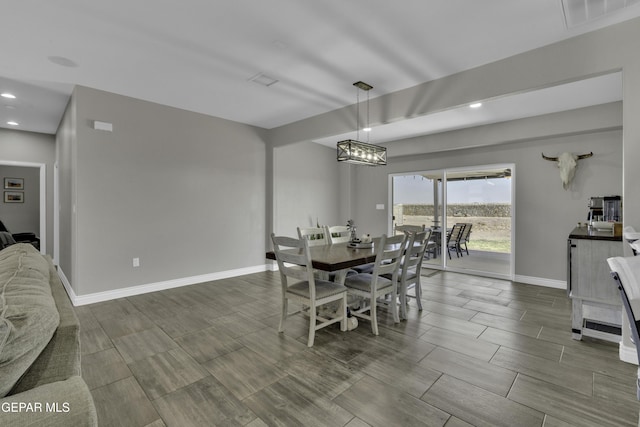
<point x="338" y="256"/>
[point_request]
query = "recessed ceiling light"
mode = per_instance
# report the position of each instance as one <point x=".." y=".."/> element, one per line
<point x="8" y="95"/>
<point x="62" y="61"/>
<point x="366" y="129"/>
<point x="476" y="105"/>
<point x="12" y="123"/>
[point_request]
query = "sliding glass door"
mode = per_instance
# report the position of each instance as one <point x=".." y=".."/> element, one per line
<point x="478" y="199"/>
<point x="418" y="200"/>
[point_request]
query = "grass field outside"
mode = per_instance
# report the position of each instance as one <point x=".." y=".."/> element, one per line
<point x="491" y="234"/>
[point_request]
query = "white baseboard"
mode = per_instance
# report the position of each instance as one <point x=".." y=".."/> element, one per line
<point x="549" y="283"/>
<point x="66" y="284"/>
<point x="78" y="300"/>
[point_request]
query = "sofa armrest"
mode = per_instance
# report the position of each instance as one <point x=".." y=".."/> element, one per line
<point x="60" y="359"/>
<point x="63" y="403"/>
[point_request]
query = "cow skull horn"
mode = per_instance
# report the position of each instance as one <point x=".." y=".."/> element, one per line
<point x="567" y="164"/>
<point x="585" y="156"/>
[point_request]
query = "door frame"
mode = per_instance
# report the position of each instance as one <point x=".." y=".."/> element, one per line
<point x="444" y="202"/>
<point x="43" y="197"/>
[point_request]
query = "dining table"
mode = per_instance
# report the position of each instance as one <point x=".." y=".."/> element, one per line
<point x="337" y="258"/>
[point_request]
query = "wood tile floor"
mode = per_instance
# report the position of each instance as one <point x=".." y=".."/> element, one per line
<point x="483" y="352"/>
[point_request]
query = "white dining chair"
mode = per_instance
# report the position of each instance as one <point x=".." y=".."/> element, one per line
<point x="342" y="234"/>
<point x="338" y="233"/>
<point x="410" y="270"/>
<point x="370" y="287"/>
<point x="300" y="285"/>
<point x="316" y="236"/>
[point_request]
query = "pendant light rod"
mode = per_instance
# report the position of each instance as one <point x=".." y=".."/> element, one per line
<point x="360" y="85"/>
<point x="355" y="151"/>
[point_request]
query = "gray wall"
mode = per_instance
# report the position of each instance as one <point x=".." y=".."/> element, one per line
<point x="183" y="192"/>
<point x="66" y="143"/>
<point x="306" y="188"/>
<point x="610" y="49"/>
<point x="22" y="217"/>
<point x="31" y="147"/>
<point x="544" y="212"/>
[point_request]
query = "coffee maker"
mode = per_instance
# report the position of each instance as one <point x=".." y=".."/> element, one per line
<point x="607" y="208"/>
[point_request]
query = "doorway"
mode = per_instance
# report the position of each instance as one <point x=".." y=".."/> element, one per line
<point x="479" y="198"/>
<point x="33" y="197"/>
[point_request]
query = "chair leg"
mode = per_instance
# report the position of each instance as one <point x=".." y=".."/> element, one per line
<point x="394" y="305"/>
<point x="343" y="307"/>
<point x="374" y="317"/>
<point x="285" y="308"/>
<point x="418" y="290"/>
<point x="403" y="301"/>
<point x="312" y="325"/>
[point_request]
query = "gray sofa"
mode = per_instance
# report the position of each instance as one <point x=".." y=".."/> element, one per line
<point x="40" y="382"/>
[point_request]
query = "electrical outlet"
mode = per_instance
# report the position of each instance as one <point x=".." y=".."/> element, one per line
<point x="136" y="262"/>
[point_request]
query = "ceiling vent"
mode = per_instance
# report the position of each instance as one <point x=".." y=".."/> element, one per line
<point x="263" y="79"/>
<point x="578" y="12"/>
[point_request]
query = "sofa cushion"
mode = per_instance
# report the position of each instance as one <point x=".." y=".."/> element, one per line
<point x="60" y="359"/>
<point x="28" y="314"/>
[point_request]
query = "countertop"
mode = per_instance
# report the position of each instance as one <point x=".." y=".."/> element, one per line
<point x="592" y="234"/>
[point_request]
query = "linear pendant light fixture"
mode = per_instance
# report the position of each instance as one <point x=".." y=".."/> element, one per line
<point x="358" y="152"/>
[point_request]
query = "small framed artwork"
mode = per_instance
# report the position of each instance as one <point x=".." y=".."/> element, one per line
<point x="13" y="197"/>
<point x="14" y="183"/>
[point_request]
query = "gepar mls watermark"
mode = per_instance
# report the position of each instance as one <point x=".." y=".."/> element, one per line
<point x="35" y="407"/>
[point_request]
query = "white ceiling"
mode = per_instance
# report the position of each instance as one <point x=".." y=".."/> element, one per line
<point x="202" y="55"/>
<point x="569" y="96"/>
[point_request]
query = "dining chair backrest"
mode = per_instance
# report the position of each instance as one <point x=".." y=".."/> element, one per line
<point x="390" y="252"/>
<point x="337" y="233"/>
<point x="416" y="246"/>
<point x="294" y="260"/>
<point x="410" y="269"/>
<point x="316" y="236"/>
<point x="626" y="274"/>
<point x="429" y="233"/>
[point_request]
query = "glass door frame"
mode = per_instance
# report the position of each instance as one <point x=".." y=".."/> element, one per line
<point x="443" y="208"/>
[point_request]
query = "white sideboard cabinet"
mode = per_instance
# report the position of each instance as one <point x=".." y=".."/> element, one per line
<point x="596" y="304"/>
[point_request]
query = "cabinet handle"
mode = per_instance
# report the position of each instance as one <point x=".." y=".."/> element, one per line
<point x="569" y="260"/>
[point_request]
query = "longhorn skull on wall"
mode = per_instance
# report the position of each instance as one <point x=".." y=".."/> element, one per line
<point x="567" y="163"/>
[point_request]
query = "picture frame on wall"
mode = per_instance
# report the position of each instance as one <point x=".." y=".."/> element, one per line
<point x="13" y="197"/>
<point x="14" y="183"/>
